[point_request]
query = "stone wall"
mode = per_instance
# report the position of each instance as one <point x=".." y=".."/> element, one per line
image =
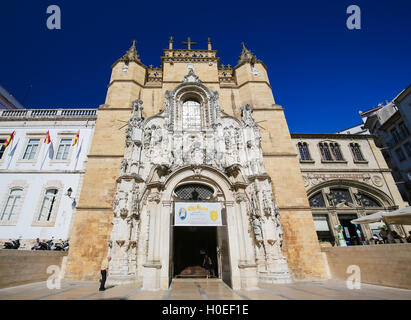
<point x="386" y="265"/>
<point x="18" y="267"/>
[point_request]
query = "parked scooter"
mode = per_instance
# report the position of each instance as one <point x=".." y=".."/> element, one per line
<point x="66" y="245"/>
<point x="60" y="246"/>
<point x="46" y="245"/>
<point x="13" y="244"/>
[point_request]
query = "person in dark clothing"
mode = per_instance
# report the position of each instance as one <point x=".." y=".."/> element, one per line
<point x="384" y="235"/>
<point x="207" y="264"/>
<point x="396" y="236"/>
<point x="409" y="237"/>
<point x="104" y="273"/>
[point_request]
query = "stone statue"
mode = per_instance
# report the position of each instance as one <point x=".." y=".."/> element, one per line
<point x="258" y="231"/>
<point x="246" y="114"/>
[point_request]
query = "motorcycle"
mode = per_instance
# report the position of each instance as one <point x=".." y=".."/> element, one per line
<point x="46" y="245"/>
<point x="61" y="246"/>
<point x="66" y="245"/>
<point x="13" y="244"/>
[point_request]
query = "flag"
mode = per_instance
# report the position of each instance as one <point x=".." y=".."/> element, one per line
<point x="48" y="139"/>
<point x="76" y="138"/>
<point x="9" y="139"/>
<point x="51" y="151"/>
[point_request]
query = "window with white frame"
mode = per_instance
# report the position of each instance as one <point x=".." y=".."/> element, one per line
<point x="63" y="149"/>
<point x="191" y="115"/>
<point x="13" y="200"/>
<point x="49" y="201"/>
<point x="31" y="149"/>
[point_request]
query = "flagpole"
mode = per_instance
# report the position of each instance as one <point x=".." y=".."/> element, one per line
<point x="48" y="138"/>
<point x="78" y="156"/>
<point x="45" y="155"/>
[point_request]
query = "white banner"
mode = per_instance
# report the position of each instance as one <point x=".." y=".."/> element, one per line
<point x="197" y="214"/>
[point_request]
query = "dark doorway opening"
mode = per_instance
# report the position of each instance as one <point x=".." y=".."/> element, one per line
<point x="353" y="234"/>
<point x="189" y="246"/>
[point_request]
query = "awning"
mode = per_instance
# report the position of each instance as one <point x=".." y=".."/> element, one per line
<point x="374" y="217"/>
<point x="400" y="216"/>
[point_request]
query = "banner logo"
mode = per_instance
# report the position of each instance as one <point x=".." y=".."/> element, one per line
<point x="182" y="214"/>
<point x="214" y="216"/>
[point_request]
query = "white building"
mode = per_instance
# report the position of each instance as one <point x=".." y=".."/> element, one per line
<point x="391" y="124"/>
<point x="36" y="178"/>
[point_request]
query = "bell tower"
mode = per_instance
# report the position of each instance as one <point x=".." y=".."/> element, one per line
<point x="127" y="80"/>
<point x="301" y="246"/>
<point x="93" y="219"/>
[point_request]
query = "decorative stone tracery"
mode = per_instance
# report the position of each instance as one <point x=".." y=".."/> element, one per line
<point x="156" y="149"/>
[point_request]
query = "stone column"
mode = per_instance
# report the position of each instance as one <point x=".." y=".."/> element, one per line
<point x="151" y="273"/>
<point x="166" y="211"/>
<point x="247" y="265"/>
<point x="233" y="245"/>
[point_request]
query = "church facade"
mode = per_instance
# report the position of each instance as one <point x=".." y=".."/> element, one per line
<point x="193" y="134"/>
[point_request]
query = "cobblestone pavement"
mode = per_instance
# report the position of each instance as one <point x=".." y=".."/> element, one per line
<point x="202" y="289"/>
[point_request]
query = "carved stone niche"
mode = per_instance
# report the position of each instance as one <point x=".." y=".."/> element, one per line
<point x="236" y="176"/>
<point x="233" y="170"/>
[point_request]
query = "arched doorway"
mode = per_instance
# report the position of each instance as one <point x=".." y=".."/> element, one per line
<point x="190" y="242"/>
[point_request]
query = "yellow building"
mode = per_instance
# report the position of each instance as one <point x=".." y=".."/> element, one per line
<point x="194" y="157"/>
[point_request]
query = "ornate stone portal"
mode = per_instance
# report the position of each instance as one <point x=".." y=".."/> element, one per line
<point x="225" y="153"/>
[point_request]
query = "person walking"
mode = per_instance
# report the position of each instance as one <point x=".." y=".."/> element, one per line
<point x="104" y="273"/>
<point x="207" y="264"/>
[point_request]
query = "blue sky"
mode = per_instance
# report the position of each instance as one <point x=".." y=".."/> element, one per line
<point x="321" y="72"/>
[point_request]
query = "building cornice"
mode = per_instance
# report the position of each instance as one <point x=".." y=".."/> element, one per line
<point x="331" y="136"/>
<point x="351" y="170"/>
<point x="3" y="171"/>
<point x="48" y="114"/>
<point x="402" y="95"/>
<point x="254" y="81"/>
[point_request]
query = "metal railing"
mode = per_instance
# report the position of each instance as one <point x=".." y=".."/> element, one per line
<point x="37" y="114"/>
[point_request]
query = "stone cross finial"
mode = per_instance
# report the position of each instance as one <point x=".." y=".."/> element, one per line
<point x="132" y="54"/>
<point x="189" y="43"/>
